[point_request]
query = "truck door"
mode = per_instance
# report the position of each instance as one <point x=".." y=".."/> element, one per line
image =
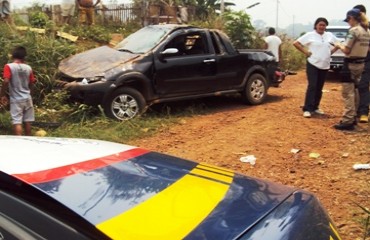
<point x="230" y="65"/>
<point x="191" y="70"/>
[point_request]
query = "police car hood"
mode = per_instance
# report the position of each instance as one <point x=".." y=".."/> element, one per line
<point x="132" y="193"/>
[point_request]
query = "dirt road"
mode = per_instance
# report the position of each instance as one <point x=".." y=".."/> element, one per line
<point x="269" y="132"/>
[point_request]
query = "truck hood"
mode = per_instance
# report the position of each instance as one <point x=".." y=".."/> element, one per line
<point x="94" y="62"/>
<point x="132" y="193"/>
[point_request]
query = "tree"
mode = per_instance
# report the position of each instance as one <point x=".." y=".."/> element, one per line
<point x="204" y="8"/>
<point x="259" y="24"/>
<point x="240" y="30"/>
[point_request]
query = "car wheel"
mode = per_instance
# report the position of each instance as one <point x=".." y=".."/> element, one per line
<point x="255" y="90"/>
<point x="124" y="104"/>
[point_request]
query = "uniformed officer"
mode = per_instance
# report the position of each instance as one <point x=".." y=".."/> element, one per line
<point x="364" y="85"/>
<point x="355" y="47"/>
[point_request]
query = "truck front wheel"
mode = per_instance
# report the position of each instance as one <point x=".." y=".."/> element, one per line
<point x="255" y="90"/>
<point x="124" y="104"/>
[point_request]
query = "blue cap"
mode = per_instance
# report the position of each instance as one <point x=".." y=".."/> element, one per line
<point x="355" y="13"/>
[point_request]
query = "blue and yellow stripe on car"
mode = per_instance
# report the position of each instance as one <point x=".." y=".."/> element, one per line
<point x="175" y="211"/>
<point x="137" y="192"/>
<point x="335" y="233"/>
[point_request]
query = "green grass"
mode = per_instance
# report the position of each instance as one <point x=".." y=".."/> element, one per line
<point x="97" y="127"/>
<point x="110" y="130"/>
<point x="82" y="121"/>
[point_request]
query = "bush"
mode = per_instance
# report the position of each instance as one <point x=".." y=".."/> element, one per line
<point x="240" y="30"/>
<point x="236" y="25"/>
<point x="292" y="59"/>
<point x="38" y="19"/>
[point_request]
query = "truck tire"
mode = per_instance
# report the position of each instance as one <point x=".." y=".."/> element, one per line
<point x="255" y="90"/>
<point x="124" y="104"/>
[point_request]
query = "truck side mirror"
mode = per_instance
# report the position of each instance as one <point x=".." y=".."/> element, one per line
<point x="168" y="52"/>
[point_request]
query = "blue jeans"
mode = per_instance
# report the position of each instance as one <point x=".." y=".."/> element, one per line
<point x="363" y="90"/>
<point x="316" y="79"/>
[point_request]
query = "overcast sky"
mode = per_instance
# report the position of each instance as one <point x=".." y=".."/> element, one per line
<point x="289" y="11"/>
<point x="298" y="11"/>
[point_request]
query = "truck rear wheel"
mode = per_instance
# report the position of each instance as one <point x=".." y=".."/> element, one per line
<point x="255" y="91"/>
<point x="124" y="104"/>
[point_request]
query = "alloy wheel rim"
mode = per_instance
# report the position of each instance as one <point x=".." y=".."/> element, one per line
<point x="124" y="107"/>
<point x="257" y="89"/>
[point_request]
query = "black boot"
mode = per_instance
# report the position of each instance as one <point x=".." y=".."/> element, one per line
<point x="344" y="126"/>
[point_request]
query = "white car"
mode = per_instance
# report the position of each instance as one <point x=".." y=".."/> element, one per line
<point x="337" y="58"/>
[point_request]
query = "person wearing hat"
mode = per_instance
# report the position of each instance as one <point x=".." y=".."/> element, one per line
<point x="355" y="47"/>
<point x="363" y="86"/>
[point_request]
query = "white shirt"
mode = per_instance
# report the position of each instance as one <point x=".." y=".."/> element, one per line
<point x="68" y="1"/>
<point x="273" y="43"/>
<point x="319" y="46"/>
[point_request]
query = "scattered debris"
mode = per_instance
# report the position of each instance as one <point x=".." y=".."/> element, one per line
<point x="359" y="166"/>
<point x="145" y="130"/>
<point x="67" y="36"/>
<point x="40" y="133"/>
<point x="314" y="155"/>
<point x="295" y="150"/>
<point x="249" y="159"/>
<point x="115" y="39"/>
<point x="37" y="30"/>
<point x="43" y="31"/>
<point x="239" y="153"/>
<point x="345" y="155"/>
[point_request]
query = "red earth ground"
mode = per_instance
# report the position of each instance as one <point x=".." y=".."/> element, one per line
<point x="230" y="130"/>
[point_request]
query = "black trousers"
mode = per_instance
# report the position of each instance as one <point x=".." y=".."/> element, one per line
<point x="363" y="90"/>
<point x="316" y="79"/>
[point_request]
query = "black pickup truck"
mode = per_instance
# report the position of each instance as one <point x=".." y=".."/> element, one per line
<point x="162" y="63"/>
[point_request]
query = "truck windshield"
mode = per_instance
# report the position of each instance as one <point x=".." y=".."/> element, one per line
<point x="143" y="40"/>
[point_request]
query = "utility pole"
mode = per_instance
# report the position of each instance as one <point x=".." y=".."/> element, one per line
<point x="222" y="7"/>
<point x="277" y="15"/>
<point x="293" y="25"/>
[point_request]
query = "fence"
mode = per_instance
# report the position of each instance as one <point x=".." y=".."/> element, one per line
<point x="122" y="13"/>
<point x="119" y="13"/>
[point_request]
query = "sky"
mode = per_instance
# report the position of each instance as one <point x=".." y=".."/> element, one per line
<point x="275" y="13"/>
<point x="297" y="11"/>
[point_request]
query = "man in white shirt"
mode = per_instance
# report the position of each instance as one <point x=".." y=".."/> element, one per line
<point x="68" y="10"/>
<point x="273" y="44"/>
<point x="5" y="10"/>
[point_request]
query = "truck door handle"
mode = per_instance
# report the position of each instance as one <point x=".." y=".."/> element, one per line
<point x="209" y="60"/>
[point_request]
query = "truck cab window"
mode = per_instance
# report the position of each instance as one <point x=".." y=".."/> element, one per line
<point x="196" y="44"/>
<point x="178" y="43"/>
<point x="217" y="43"/>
